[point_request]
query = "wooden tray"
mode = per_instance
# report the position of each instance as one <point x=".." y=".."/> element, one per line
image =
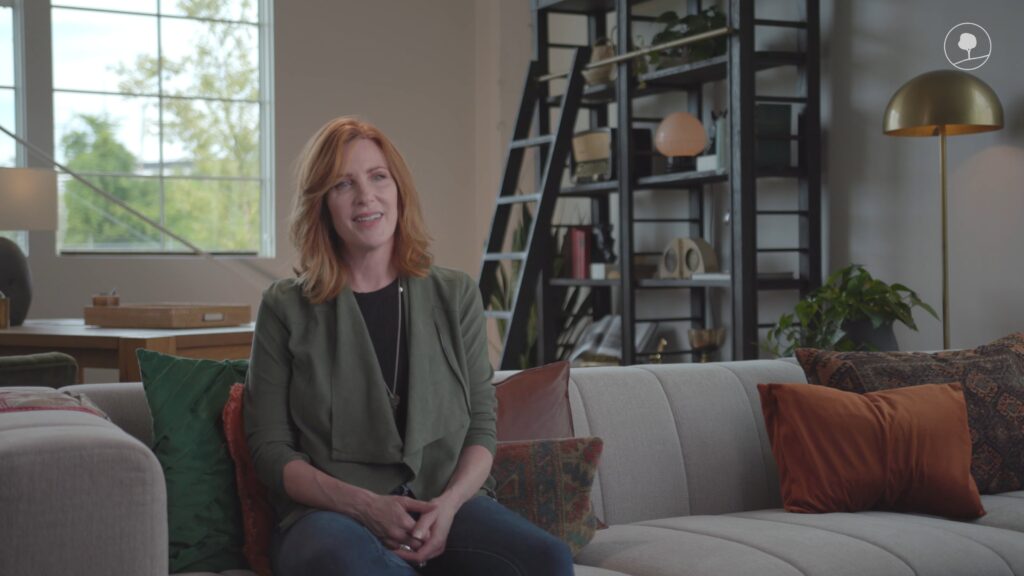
<point x="167" y="315"/>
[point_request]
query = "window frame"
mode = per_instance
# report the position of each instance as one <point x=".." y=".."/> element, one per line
<point x="265" y="247"/>
<point x="20" y="237"/>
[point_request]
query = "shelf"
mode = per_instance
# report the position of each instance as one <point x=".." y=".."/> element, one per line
<point x="682" y="179"/>
<point x="583" y="282"/>
<point x="781" y="281"/>
<point x="577" y="6"/>
<point x="686" y="76"/>
<point x="673" y="283"/>
<point x="591" y="188"/>
<point x="586" y="7"/>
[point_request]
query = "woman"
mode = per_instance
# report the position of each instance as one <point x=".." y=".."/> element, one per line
<point x="369" y="407"/>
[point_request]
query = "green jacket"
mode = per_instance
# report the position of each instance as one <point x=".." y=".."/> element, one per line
<point x="315" y="390"/>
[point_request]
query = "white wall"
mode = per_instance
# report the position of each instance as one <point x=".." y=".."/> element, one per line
<point x="884" y="191"/>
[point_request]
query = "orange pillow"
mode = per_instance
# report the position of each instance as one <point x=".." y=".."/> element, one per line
<point x="257" y="518"/>
<point x="907" y="449"/>
<point x="533" y="404"/>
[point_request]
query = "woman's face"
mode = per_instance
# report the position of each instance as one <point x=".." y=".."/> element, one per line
<point x="364" y="202"/>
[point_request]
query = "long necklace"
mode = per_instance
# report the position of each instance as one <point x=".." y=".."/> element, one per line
<point x="393" y="396"/>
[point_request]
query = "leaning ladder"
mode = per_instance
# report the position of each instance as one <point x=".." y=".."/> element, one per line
<point x="527" y="262"/>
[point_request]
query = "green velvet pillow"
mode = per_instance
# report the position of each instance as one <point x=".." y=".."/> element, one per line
<point x="186" y="397"/>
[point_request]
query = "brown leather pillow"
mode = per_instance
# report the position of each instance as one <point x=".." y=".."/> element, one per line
<point x="992" y="376"/>
<point x="907" y="449"/>
<point x="534" y="404"/>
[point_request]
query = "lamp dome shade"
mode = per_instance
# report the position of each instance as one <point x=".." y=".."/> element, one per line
<point x="680" y="134"/>
<point x="947" y="101"/>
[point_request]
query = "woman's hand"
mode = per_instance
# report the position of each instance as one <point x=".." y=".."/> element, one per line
<point x="432" y="529"/>
<point x="389" y="518"/>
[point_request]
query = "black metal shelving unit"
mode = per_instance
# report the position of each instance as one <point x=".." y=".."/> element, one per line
<point x="737" y="68"/>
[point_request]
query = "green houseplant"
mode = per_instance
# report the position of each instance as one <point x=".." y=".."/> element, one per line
<point x="676" y="27"/>
<point x="845" y="313"/>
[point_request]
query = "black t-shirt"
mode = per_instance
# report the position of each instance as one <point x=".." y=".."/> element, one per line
<point x="380" y="313"/>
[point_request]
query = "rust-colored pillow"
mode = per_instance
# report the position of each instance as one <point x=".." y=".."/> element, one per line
<point x="534" y="404"/>
<point x="992" y="376"/>
<point x="257" y="518"/>
<point x="907" y="449"/>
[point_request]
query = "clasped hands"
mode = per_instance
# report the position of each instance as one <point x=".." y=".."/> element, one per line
<point x="391" y="519"/>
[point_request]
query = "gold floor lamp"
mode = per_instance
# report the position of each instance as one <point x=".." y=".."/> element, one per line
<point x="943" y="103"/>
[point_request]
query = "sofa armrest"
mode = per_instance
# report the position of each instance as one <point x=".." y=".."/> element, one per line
<point x="78" y="496"/>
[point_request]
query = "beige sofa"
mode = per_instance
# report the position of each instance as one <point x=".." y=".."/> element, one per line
<point x="687" y="483"/>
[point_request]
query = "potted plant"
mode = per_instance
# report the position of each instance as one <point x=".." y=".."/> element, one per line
<point x="850" y="311"/>
<point x="676" y="27"/>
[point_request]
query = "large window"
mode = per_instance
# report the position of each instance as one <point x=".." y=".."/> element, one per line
<point x="8" y="106"/>
<point x="164" y="104"/>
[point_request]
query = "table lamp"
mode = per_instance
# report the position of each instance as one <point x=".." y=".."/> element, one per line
<point x="941" y="103"/>
<point x="680" y="137"/>
<point x="28" y="201"/>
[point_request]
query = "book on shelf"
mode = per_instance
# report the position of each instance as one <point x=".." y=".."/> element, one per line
<point x="579" y="252"/>
<point x="602" y="340"/>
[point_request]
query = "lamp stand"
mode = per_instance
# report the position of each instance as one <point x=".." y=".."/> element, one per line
<point x="945" y="243"/>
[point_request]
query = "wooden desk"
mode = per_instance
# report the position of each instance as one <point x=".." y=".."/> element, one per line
<point x="95" y="347"/>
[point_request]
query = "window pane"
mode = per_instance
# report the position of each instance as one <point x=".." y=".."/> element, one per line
<point x="19" y="237"/>
<point x="211" y="59"/>
<point x="211" y="138"/>
<point x="90" y="222"/>
<point x="147" y="6"/>
<point x="98" y="133"/>
<point x="6" y="47"/>
<point x="238" y="10"/>
<point x="8" y="150"/>
<point x="216" y="215"/>
<point x="104" y="51"/>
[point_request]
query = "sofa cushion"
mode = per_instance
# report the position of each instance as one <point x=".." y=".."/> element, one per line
<point x="993" y="379"/>
<point x="186" y="397"/>
<point x="907" y="449"/>
<point x="694" y="434"/>
<point x="548" y="483"/>
<point x="534" y="404"/>
<point x="779" y="543"/>
<point x="1004" y="510"/>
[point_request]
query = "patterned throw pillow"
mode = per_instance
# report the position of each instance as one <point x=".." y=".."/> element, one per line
<point x="257" y="518"/>
<point x="993" y="384"/>
<point x="27" y="400"/>
<point x="548" y="482"/>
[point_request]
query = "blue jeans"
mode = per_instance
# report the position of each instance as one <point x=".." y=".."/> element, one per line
<point x="485" y="538"/>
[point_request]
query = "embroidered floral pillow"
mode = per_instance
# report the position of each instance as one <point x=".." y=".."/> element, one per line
<point x="548" y="482"/>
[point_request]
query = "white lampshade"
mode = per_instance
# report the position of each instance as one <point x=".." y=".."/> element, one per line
<point x="28" y="199"/>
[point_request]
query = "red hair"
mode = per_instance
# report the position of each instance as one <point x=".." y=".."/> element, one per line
<point x="321" y="269"/>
